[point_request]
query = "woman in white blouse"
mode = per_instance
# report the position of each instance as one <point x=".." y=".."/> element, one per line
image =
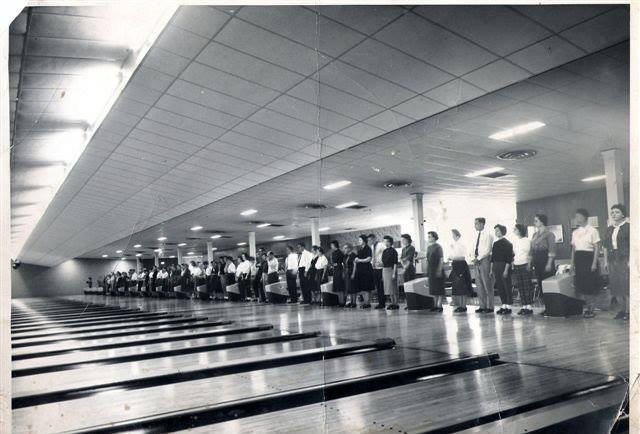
<point x="460" y="276"/>
<point x="272" y="268"/>
<point x="585" y="241"/>
<point x="522" y="268"/>
<point x="321" y="272"/>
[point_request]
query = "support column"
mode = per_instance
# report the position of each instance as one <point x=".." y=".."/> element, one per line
<point x="419" y="242"/>
<point x="179" y="256"/>
<point x="252" y="244"/>
<point x="315" y="231"/>
<point x="612" y="159"/>
<point x="156" y="259"/>
<point x="138" y="264"/>
<point x="209" y="251"/>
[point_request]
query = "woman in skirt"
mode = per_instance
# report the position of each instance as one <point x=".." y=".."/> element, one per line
<point x="363" y="271"/>
<point x="349" y="267"/>
<point x="321" y="271"/>
<point x="460" y="275"/>
<point x="585" y="241"/>
<point x="337" y="267"/>
<point x="522" y="259"/>
<point x="311" y="276"/>
<point x="390" y="272"/>
<point x="435" y="270"/>
<point x="616" y="258"/>
<point x="408" y="257"/>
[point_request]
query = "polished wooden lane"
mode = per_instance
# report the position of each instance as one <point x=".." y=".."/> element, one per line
<point x="446" y="403"/>
<point x="76" y="317"/>
<point x="84" y="321"/>
<point x="182" y="396"/>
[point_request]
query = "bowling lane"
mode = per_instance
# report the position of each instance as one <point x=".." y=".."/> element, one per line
<point x="427" y="406"/>
<point x="123" y="372"/>
<point x="84" y="320"/>
<point x="151" y="401"/>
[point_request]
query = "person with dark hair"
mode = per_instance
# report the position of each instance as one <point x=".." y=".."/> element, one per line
<point x="314" y="289"/>
<point x="272" y="268"/>
<point x="435" y="270"/>
<point x="349" y="267"/>
<point x="89" y="282"/>
<point x="407" y="258"/>
<point x="585" y="241"/>
<point x="616" y="258"/>
<point x="337" y="267"/>
<point x="482" y="262"/>
<point x="376" y="263"/>
<point x="185" y="279"/>
<point x="501" y="260"/>
<point x="256" y="282"/>
<point x="543" y="251"/>
<point x="229" y="271"/>
<point x="522" y="268"/>
<point x="321" y="273"/>
<point x="243" y="276"/>
<point x="460" y="275"/>
<point x="291" y="270"/>
<point x="390" y="272"/>
<point x="304" y="265"/>
<point x="363" y="271"/>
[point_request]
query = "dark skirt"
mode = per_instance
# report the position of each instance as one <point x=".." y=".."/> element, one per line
<point x="618" y="274"/>
<point x="409" y="273"/>
<point x="436" y="281"/>
<point x="216" y="284"/>
<point x="460" y="270"/>
<point x="585" y="280"/>
<point x="364" y="277"/>
<point x="311" y="280"/>
<point x="231" y="278"/>
<point x="338" y="279"/>
<point x="272" y="278"/>
<point x="350" y="284"/>
<point x="539" y="260"/>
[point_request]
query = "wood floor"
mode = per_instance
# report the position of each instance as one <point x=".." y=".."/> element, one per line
<point x="117" y="364"/>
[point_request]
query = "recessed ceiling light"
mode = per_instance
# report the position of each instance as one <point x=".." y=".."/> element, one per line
<point x="484" y="172"/>
<point x="182" y="244"/>
<point x="215" y="236"/>
<point x="278" y="237"/>
<point x="162" y="238"/>
<point x="123" y="259"/>
<point x="326" y="228"/>
<point x="214" y="249"/>
<point x="158" y="250"/>
<point x="118" y="251"/>
<point x="137" y="246"/>
<point x="105" y="256"/>
<point x="335" y="185"/>
<point x="162" y="263"/>
<point x="595" y="178"/>
<point x="520" y="129"/>
<point x="263" y="225"/>
<point x="346" y="204"/>
<point x="172" y="256"/>
<point x="249" y="212"/>
<point x="138" y="254"/>
<point x="190" y="253"/>
<point x="242" y="243"/>
<point x="196" y="228"/>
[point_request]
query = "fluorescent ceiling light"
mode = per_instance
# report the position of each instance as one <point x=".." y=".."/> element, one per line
<point x="595" y="178"/>
<point x="118" y="251"/>
<point x="278" y="237"/>
<point x="242" y="243"/>
<point x="215" y="236"/>
<point x="158" y="250"/>
<point x="520" y="129"/>
<point x="335" y="185"/>
<point x="347" y="204"/>
<point x="196" y="228"/>
<point x="172" y="256"/>
<point x="138" y="254"/>
<point x="162" y="238"/>
<point x="190" y="253"/>
<point x="484" y="172"/>
<point x="137" y="246"/>
<point x="263" y="225"/>
<point x="105" y="256"/>
<point x="182" y="244"/>
<point x="123" y="259"/>
<point x="326" y="228"/>
<point x="214" y="249"/>
<point x="249" y="212"/>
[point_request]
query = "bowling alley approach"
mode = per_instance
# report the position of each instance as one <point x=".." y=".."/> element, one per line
<point x="321" y="218"/>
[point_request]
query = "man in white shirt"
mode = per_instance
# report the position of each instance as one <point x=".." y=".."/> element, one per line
<point x="291" y="268"/>
<point x="304" y="263"/>
<point x="243" y="274"/>
<point x="482" y="261"/>
<point x="376" y="261"/>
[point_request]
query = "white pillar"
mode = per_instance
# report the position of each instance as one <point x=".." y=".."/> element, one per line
<point x="138" y="265"/>
<point x="252" y="244"/>
<point x="209" y="251"/>
<point x="156" y="259"/>
<point x="179" y="256"/>
<point x="5" y="236"/>
<point x="419" y="242"/>
<point x="315" y="231"/>
<point x="615" y="180"/>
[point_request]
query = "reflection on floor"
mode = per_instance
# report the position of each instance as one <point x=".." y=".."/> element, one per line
<point x="116" y="364"/>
